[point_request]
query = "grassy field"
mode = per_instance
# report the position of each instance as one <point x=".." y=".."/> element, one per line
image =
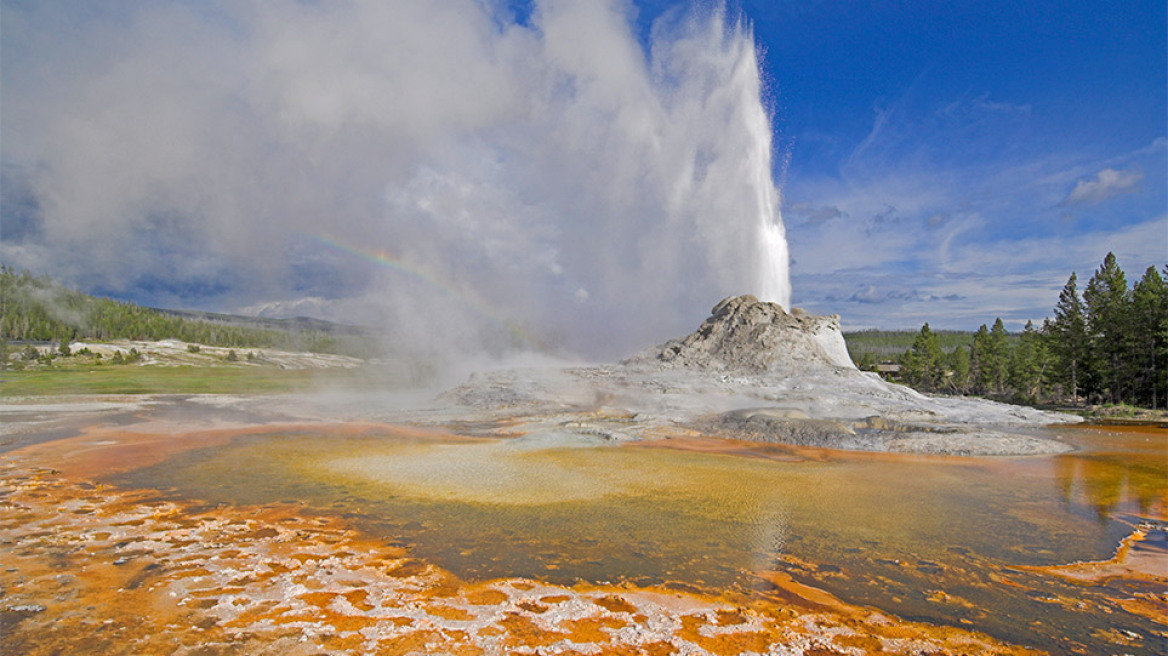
<point x="167" y="380"/>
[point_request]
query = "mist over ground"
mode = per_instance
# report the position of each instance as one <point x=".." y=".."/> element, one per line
<point x="460" y="176"/>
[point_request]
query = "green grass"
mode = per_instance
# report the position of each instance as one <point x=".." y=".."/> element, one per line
<point x="164" y="380"/>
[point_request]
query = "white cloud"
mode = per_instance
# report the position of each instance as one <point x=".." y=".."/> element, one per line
<point x="947" y="218"/>
<point x="1108" y="183"/>
<point x="1015" y="279"/>
<point x="1136" y="245"/>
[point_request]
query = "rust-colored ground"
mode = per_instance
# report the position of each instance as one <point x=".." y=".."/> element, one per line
<point x="97" y="570"/>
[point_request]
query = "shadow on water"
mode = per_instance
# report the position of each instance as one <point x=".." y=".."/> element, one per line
<point x="938" y="540"/>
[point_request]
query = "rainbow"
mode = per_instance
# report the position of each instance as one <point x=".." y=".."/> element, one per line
<point x="384" y="259"/>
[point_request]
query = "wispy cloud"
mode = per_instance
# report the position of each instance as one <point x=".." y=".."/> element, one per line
<point x="870" y="294"/>
<point x="813" y="215"/>
<point x="980" y="106"/>
<point x="924" y="235"/>
<point x="1105" y="184"/>
<point x="1017" y="280"/>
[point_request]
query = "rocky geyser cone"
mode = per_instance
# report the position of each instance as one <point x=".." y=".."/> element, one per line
<point x="746" y="335"/>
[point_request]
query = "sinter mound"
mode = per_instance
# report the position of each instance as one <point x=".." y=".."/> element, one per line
<point x="751" y="371"/>
<point x="746" y="335"/>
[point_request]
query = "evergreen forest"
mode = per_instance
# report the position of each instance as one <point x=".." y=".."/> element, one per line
<point x="37" y="309"/>
<point x="1106" y="344"/>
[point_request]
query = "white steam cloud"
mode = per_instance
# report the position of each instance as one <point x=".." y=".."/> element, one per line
<point x="441" y="168"/>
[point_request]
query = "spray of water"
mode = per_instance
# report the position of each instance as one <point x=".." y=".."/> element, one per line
<point x="769" y="259"/>
<point x="772" y="282"/>
<point x="723" y="126"/>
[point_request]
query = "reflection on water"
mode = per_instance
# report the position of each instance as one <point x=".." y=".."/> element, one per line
<point x="1123" y="465"/>
<point x="930" y="539"/>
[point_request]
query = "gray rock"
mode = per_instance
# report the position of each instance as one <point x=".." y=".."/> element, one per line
<point x="751" y="371"/>
<point x="873" y="434"/>
<point x="746" y="335"/>
<point x="763" y="426"/>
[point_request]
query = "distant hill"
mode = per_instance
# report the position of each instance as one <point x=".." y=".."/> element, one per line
<point x="886" y="344"/>
<point x="891" y="344"/>
<point x="36" y="308"/>
<point x="292" y="324"/>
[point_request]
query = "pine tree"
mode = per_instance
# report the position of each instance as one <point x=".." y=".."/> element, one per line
<point x="924" y="364"/>
<point x="979" y="357"/>
<point x="1148" y="343"/>
<point x="999" y="361"/>
<point x="867" y="362"/>
<point x="1108" y="304"/>
<point x="1028" y="362"/>
<point x="1067" y="339"/>
<point x="990" y="359"/>
<point x="959" y="364"/>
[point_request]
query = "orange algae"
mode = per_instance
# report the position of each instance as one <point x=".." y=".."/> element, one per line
<point x="532" y="607"/>
<point x="698" y="443"/>
<point x="356" y="599"/>
<point x="593" y="629"/>
<point x="728" y="617"/>
<point x="615" y="604"/>
<point x="522" y="631"/>
<point x="133" y="573"/>
<point x="1127" y="563"/>
<point x="449" y="613"/>
<point x="100" y="450"/>
<point x="487" y="597"/>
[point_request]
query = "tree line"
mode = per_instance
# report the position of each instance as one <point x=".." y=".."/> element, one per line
<point x="35" y="308"/>
<point x="870" y="346"/>
<point x="1108" y="344"/>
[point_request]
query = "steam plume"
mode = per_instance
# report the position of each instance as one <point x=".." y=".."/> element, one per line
<point x="597" y="190"/>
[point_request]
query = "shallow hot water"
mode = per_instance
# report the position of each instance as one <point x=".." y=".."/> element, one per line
<point x="925" y="538"/>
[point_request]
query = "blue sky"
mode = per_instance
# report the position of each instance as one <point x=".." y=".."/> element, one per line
<point x="588" y="170"/>
<point x="936" y="149"/>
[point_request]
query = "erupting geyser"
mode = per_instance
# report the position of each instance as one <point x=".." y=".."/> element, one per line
<point x="730" y="195"/>
<point x="773" y="283"/>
